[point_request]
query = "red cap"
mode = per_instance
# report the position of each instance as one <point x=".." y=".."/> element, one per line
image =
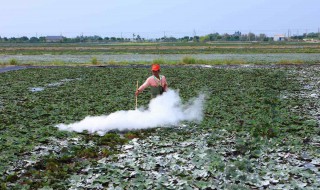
<point x="155" y="67"/>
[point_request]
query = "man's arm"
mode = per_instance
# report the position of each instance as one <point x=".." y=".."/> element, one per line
<point x="165" y="84"/>
<point x="143" y="86"/>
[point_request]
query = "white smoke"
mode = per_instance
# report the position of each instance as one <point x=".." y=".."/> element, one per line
<point x="164" y="110"/>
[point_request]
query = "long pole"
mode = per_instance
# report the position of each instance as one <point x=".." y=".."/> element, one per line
<point x="137" y="96"/>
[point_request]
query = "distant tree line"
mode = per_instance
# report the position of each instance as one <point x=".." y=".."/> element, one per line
<point x="306" y="35"/>
<point x="236" y="36"/>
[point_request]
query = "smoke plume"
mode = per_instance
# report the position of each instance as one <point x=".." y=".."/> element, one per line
<point x="165" y="110"/>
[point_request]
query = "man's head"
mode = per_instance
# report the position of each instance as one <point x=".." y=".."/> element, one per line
<point x="155" y="67"/>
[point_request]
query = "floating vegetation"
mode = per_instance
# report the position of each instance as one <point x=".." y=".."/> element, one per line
<point x="1" y="104"/>
<point x="260" y="130"/>
<point x="159" y="162"/>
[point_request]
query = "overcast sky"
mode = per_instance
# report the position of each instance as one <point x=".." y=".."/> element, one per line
<point x="156" y="18"/>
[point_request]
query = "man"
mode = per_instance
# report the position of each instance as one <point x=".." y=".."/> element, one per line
<point x="157" y="82"/>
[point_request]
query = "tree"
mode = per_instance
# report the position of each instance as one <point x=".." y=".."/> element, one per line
<point x="185" y="39"/>
<point x="297" y="37"/>
<point x="172" y="39"/>
<point x="34" y="40"/>
<point x="263" y="37"/>
<point x="138" y="38"/>
<point x="251" y="36"/>
<point x="214" y="36"/>
<point x="78" y="39"/>
<point x="244" y="37"/>
<point x="42" y="39"/>
<point x="205" y="38"/>
<point x="312" y="35"/>
<point x="237" y="33"/>
<point x="196" y="38"/>
<point x="24" y="39"/>
<point x="67" y="40"/>
<point x="13" y="39"/>
<point x="226" y="37"/>
<point x="236" y="36"/>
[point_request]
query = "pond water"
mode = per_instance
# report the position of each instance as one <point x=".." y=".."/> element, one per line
<point x="36" y="89"/>
<point x="151" y="57"/>
<point x="53" y="84"/>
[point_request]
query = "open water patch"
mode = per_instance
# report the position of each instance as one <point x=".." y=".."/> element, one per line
<point x="36" y="89"/>
<point x="54" y="84"/>
<point x="11" y="68"/>
<point x="271" y="57"/>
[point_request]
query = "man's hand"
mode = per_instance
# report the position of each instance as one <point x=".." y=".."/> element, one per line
<point x="137" y="93"/>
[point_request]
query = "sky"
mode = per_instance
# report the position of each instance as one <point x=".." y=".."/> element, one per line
<point x="156" y="18"/>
